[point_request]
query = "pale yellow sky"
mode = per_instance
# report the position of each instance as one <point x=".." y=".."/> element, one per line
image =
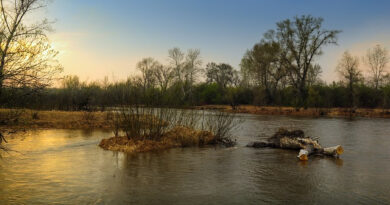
<point x="97" y="39"/>
<point x="90" y="64"/>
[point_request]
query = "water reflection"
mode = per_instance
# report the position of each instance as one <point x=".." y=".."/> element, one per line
<point x="67" y="167"/>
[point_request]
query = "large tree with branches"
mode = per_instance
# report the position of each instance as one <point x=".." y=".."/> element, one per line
<point x="26" y="57"/>
<point x="27" y="60"/>
<point x="348" y="69"/>
<point x="377" y="59"/>
<point x="301" y="41"/>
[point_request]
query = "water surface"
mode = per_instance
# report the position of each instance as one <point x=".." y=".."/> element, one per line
<point x="67" y="167"/>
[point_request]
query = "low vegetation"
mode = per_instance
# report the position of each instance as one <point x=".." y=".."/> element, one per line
<point x="308" y="112"/>
<point x="135" y="128"/>
<point x="149" y="129"/>
<point x="176" y="137"/>
<point x="27" y="119"/>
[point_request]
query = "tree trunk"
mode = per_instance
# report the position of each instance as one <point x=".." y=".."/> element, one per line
<point x="296" y="140"/>
<point x="1" y="83"/>
<point x="334" y="151"/>
<point x="305" y="153"/>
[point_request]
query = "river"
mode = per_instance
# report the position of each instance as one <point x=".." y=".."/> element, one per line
<point x="67" y="167"/>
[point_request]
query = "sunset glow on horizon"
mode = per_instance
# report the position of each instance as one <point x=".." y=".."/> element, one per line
<point x="194" y="101"/>
<point x="99" y="38"/>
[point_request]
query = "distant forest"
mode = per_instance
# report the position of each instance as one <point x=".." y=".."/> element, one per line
<point x="280" y="70"/>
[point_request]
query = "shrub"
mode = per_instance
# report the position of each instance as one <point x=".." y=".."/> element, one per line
<point x="34" y="115"/>
<point x="141" y="123"/>
<point x="221" y="124"/>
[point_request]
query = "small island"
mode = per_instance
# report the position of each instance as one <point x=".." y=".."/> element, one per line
<point x="176" y="137"/>
<point x="140" y="129"/>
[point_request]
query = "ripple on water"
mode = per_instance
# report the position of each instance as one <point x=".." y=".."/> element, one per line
<point x="67" y="167"/>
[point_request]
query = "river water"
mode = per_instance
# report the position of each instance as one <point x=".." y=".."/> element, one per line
<point x="67" y="167"/>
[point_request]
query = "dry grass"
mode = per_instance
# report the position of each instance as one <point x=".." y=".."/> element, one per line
<point x="176" y="137"/>
<point x="315" y="112"/>
<point x="55" y="119"/>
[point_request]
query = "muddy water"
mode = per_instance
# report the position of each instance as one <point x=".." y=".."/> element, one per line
<point x="67" y="167"/>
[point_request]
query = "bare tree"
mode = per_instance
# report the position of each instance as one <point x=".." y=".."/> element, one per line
<point x="377" y="59"/>
<point x="26" y="56"/>
<point x="148" y="67"/>
<point x="348" y="69"/>
<point x="27" y="59"/>
<point x="176" y="60"/>
<point x="192" y="67"/>
<point x="191" y="71"/>
<point x="301" y="41"/>
<point x="185" y="68"/>
<point x="164" y="76"/>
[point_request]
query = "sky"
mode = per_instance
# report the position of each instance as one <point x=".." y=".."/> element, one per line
<point x="98" y="38"/>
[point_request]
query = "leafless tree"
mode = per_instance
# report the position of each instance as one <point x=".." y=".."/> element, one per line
<point x="191" y="71"/>
<point x="348" y="69"/>
<point x="377" y="59"/>
<point x="301" y="41"/>
<point x="26" y="56"/>
<point x="164" y="76"/>
<point x="185" y="67"/>
<point x="27" y="59"/>
<point x="176" y="60"/>
<point x="148" y="67"/>
<point x="192" y="67"/>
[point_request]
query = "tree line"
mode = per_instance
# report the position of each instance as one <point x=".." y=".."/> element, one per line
<point x="280" y="70"/>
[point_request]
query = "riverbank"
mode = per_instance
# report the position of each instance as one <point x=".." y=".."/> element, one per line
<point x="309" y="112"/>
<point x="177" y="137"/>
<point x="84" y="170"/>
<point x="30" y="119"/>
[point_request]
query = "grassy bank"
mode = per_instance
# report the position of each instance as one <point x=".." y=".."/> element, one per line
<point x="52" y="119"/>
<point x="10" y="118"/>
<point x="176" y="137"/>
<point x="311" y="112"/>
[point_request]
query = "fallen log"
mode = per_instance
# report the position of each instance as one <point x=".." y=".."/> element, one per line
<point x="334" y="151"/>
<point x="297" y="140"/>
<point x="305" y="152"/>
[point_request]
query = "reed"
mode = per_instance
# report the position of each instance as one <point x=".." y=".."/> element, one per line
<point x="146" y="129"/>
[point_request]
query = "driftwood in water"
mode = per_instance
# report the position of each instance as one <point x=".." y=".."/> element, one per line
<point x="297" y="140"/>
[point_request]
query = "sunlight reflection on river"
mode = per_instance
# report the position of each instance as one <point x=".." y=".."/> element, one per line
<point x="67" y="167"/>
